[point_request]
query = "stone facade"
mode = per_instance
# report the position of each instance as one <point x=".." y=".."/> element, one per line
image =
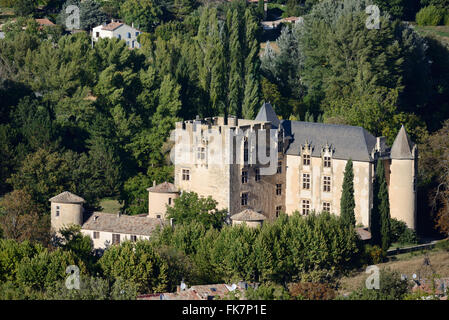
<point x="311" y="159"/>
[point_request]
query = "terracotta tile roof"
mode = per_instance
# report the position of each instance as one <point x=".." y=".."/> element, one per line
<point x="112" y="26"/>
<point x="44" y="22"/>
<point x="164" y="187"/>
<point x="109" y="222"/>
<point x="67" y="197"/>
<point x="248" y="215"/>
<point x="200" y="292"/>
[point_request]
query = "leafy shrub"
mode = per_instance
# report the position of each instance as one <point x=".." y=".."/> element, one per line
<point x="446" y="18"/>
<point x="408" y="236"/>
<point x="401" y="233"/>
<point x="429" y="16"/>
<point x="138" y="263"/>
<point x="442" y="245"/>
<point x="311" y="291"/>
<point x="267" y="291"/>
<point x="90" y="289"/>
<point x="373" y="255"/>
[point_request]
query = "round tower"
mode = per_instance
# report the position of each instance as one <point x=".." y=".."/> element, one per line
<point x="402" y="184"/>
<point x="66" y="209"/>
<point x="159" y="196"/>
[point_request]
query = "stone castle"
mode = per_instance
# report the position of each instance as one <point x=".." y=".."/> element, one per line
<point x="257" y="169"/>
<point x="308" y="175"/>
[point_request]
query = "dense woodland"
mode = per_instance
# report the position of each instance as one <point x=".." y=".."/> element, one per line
<point x="95" y="120"/>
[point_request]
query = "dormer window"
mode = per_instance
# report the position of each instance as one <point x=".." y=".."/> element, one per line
<point x="327" y="162"/>
<point x="306" y="151"/>
<point x="306" y="159"/>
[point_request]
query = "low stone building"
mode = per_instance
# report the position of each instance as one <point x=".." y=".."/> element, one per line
<point x="104" y="228"/>
<point x="159" y="197"/>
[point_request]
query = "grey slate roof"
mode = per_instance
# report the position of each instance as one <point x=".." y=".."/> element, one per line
<point x="67" y="197"/>
<point x="346" y="141"/>
<point x="402" y="146"/>
<point x="266" y="113"/>
<point x="164" y="187"/>
<point x="248" y="215"/>
<point x="136" y="225"/>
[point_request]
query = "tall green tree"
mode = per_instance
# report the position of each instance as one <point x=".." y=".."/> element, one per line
<point x="191" y="207"/>
<point x="347" y="202"/>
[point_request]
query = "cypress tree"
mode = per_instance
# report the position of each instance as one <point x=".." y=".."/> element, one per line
<point x="251" y="93"/>
<point x="236" y="67"/>
<point x="347" y="202"/>
<point x="380" y="214"/>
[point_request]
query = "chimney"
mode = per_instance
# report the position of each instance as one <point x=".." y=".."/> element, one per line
<point x="112" y="20"/>
<point x="380" y="141"/>
<point x="132" y="24"/>
<point x="119" y="214"/>
<point x="154" y="183"/>
<point x="171" y="222"/>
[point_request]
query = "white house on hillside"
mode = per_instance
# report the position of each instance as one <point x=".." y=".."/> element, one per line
<point x="119" y="30"/>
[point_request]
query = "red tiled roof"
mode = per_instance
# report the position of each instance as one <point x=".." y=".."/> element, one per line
<point x="44" y="22"/>
<point x="112" y="26"/>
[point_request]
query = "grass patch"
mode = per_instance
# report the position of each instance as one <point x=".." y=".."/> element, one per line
<point x="407" y="263"/>
<point x="110" y="205"/>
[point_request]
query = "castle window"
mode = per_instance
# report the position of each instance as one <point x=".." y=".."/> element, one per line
<point x="169" y="200"/>
<point x="57" y="211"/>
<point x="306" y="160"/>
<point x="119" y="36"/>
<point x="327" y="206"/>
<point x="257" y="174"/>
<point x="137" y="33"/>
<point x="244" y="176"/>
<point x="129" y="35"/>
<point x="201" y="153"/>
<point x="185" y="174"/>
<point x="278" y="189"/>
<point x="115" y="238"/>
<point x="245" y="151"/>
<point x="326" y="184"/>
<point x="279" y="170"/>
<point x="158" y="216"/>
<point x="306" y="181"/>
<point x="96" y="234"/>
<point x="305" y="207"/>
<point x="327" y="162"/>
<point x="278" y="211"/>
<point x="133" y="238"/>
<point x="244" y="199"/>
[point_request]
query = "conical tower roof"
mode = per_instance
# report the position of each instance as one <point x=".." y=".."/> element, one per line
<point x="266" y="113"/>
<point x="402" y="146"/>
